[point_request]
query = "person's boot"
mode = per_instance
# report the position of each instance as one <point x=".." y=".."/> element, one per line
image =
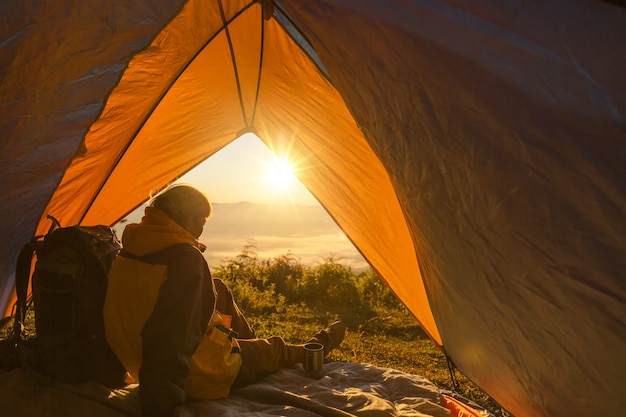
<point x="330" y="337"/>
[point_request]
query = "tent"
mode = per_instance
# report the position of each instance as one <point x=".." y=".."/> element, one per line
<point x="474" y="152"/>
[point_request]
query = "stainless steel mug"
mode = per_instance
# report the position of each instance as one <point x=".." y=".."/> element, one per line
<point x="313" y="359"/>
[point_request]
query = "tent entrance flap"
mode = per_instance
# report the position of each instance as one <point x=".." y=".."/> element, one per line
<point x="473" y="153"/>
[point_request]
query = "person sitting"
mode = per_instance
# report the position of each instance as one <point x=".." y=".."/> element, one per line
<point x="178" y="331"/>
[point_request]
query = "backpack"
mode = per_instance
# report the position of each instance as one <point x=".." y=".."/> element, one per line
<point x="69" y="285"/>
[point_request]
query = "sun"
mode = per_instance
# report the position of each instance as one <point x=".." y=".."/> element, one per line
<point x="280" y="175"/>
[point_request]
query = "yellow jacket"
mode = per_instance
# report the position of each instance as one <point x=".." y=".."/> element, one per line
<point x="160" y="320"/>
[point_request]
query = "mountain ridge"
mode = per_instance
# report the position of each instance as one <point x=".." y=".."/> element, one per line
<point x="306" y="232"/>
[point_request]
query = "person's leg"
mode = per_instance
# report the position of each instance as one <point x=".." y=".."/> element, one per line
<point x="261" y="357"/>
<point x="225" y="303"/>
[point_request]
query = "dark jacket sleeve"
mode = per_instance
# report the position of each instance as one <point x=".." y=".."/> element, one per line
<point x="173" y="331"/>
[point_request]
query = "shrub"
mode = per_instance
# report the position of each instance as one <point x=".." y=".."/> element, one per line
<point x="373" y="292"/>
<point x="331" y="283"/>
<point x="285" y="272"/>
<point x="284" y="279"/>
<point x="255" y="301"/>
<point x="245" y="267"/>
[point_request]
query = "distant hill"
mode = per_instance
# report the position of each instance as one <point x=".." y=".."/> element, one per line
<point x="261" y="219"/>
<point x="307" y="232"/>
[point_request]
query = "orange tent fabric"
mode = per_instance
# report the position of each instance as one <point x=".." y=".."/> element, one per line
<point x="474" y="154"/>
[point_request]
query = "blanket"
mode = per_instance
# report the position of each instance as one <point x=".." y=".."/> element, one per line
<point x="344" y="389"/>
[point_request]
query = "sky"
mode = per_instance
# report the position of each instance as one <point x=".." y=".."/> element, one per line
<point x="246" y="170"/>
<point x="257" y="200"/>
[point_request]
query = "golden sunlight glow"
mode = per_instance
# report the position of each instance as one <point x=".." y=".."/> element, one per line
<point x="280" y="175"/>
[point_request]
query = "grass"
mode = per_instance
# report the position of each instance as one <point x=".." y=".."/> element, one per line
<point x="380" y="332"/>
<point x="389" y="338"/>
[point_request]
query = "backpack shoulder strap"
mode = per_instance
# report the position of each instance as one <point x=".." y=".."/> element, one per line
<point x="22" y="277"/>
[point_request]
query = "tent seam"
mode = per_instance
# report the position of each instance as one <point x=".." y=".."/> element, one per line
<point x="232" y="57"/>
<point x="157" y="102"/>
